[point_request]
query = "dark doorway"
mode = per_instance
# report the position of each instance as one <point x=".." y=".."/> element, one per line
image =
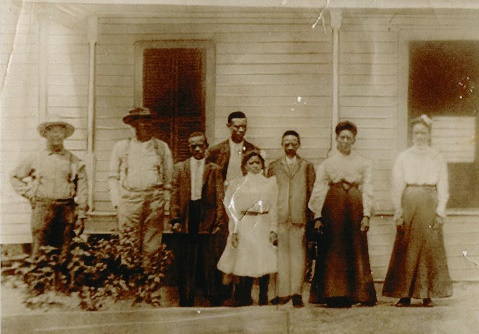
<point x="444" y="83"/>
<point x="174" y="87"/>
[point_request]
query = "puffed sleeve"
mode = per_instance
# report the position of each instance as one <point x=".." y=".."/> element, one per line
<point x="231" y="208"/>
<point x="273" y="210"/>
<point x="398" y="185"/>
<point x="320" y="189"/>
<point x="367" y="189"/>
<point x="442" y="187"/>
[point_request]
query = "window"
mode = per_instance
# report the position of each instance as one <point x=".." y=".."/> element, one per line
<point x="443" y="83"/>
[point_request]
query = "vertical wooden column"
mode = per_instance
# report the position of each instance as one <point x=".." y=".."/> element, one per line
<point x="43" y="47"/>
<point x="336" y="18"/>
<point x="92" y="35"/>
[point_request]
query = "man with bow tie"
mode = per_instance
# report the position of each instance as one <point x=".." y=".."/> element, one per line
<point x="197" y="218"/>
<point x="54" y="181"/>
<point x="295" y="177"/>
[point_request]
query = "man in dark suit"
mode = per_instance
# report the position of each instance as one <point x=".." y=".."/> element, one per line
<point x="229" y="153"/>
<point x="197" y="216"/>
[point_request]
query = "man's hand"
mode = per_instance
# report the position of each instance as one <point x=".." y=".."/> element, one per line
<point x="216" y="230"/>
<point x="399" y="225"/>
<point x="176" y="227"/>
<point x="234" y="240"/>
<point x="79" y="226"/>
<point x="273" y="238"/>
<point x="365" y="224"/>
<point x="319" y="226"/>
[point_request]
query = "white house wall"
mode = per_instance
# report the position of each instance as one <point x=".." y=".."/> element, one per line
<point x="19" y="111"/>
<point x="272" y="66"/>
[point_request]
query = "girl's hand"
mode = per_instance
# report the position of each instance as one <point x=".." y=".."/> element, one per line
<point x="273" y="238"/>
<point x="234" y="240"/>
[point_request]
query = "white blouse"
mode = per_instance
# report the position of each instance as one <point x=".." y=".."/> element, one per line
<point x="351" y="168"/>
<point x="420" y="166"/>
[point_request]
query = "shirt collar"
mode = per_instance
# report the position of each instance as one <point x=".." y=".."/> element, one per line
<point x="233" y="144"/>
<point x="61" y="152"/>
<point x="291" y="161"/>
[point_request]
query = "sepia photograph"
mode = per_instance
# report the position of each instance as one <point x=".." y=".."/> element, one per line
<point x="239" y="166"/>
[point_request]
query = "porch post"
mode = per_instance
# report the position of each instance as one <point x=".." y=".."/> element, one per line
<point x="336" y="17"/>
<point x="43" y="40"/>
<point x="92" y="35"/>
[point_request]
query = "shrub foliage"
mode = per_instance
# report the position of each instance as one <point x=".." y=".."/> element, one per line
<point x="98" y="271"/>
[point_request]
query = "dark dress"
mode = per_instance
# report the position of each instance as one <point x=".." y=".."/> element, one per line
<point x="418" y="266"/>
<point x="342" y="269"/>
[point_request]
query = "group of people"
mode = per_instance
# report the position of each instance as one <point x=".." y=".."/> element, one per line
<point x="236" y="221"/>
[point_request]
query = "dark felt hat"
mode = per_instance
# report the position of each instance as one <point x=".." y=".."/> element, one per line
<point x="136" y="114"/>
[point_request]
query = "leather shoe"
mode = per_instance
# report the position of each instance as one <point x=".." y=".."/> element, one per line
<point x="427" y="302"/>
<point x="280" y="300"/>
<point x="297" y="301"/>
<point x="403" y="302"/>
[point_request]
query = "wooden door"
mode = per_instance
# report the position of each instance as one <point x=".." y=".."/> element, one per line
<point x="174" y="88"/>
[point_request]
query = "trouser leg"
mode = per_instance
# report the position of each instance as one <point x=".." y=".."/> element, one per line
<point x="152" y="225"/>
<point x="263" y="289"/>
<point x="283" y="276"/>
<point x="66" y="217"/>
<point x="42" y="216"/>
<point x="297" y="259"/>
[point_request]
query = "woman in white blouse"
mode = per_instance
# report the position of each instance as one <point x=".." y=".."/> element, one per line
<point x="341" y="201"/>
<point x="418" y="266"/>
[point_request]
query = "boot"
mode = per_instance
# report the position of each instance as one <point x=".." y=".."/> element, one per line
<point x="263" y="289"/>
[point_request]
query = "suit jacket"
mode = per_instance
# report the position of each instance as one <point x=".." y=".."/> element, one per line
<point x="220" y="154"/>
<point x="294" y="189"/>
<point x="212" y="210"/>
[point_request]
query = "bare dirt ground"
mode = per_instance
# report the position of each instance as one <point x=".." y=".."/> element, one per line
<point x="458" y="314"/>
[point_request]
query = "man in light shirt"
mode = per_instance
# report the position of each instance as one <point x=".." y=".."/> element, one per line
<point x="140" y="177"/>
<point x="295" y="177"/>
<point x="197" y="214"/>
<point x="54" y="181"/>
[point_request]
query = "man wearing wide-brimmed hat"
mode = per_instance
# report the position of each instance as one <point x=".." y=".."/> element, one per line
<point x="141" y="170"/>
<point x="54" y="181"/>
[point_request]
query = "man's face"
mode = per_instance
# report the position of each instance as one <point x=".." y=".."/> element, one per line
<point x="237" y="127"/>
<point x="143" y="128"/>
<point x="290" y="145"/>
<point x="55" y="134"/>
<point x="197" y="147"/>
<point x="344" y="141"/>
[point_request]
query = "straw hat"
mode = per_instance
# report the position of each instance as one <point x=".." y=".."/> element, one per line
<point x="55" y="120"/>
<point x="137" y="113"/>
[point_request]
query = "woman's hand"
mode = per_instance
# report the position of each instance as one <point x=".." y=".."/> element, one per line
<point x="273" y="238"/>
<point x="365" y="224"/>
<point x="234" y="240"/>
<point x="438" y="222"/>
<point x="399" y="224"/>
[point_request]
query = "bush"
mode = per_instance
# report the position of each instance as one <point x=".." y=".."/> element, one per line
<point x="99" y="271"/>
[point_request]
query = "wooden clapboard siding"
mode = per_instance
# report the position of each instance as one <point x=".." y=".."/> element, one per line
<point x="19" y="112"/>
<point x="265" y="60"/>
<point x="460" y="234"/>
<point x="370" y="97"/>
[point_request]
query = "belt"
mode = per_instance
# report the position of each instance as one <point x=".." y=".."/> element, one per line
<point x="157" y="187"/>
<point x="415" y="185"/>
<point x="253" y="213"/>
<point x="54" y="201"/>
<point x="345" y="184"/>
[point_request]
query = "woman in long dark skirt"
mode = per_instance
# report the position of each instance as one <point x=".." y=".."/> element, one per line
<point x="342" y="202"/>
<point x="418" y="266"/>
